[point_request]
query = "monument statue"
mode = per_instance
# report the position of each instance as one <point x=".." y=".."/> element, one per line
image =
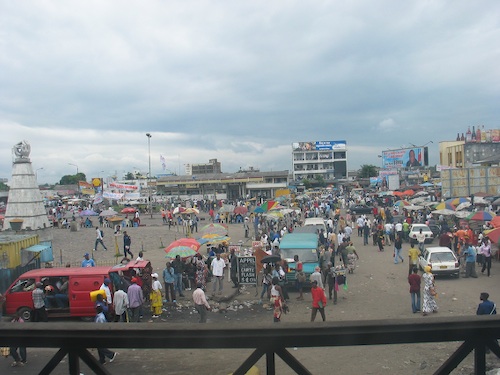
<point x="22" y="149"/>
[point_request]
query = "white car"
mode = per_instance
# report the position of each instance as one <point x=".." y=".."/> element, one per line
<point x="415" y="228"/>
<point x="442" y="261"/>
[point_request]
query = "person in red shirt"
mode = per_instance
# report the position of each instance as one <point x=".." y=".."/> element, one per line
<point x="318" y="301"/>
<point x="414" y="281"/>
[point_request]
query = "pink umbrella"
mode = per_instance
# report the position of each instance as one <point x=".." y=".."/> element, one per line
<point x="240" y="210"/>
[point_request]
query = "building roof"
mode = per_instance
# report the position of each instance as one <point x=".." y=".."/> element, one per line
<point x="221" y="177"/>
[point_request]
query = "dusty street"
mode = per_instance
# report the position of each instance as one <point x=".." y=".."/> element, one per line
<point x="378" y="289"/>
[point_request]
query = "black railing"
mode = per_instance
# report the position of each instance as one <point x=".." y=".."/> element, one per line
<point x="477" y="334"/>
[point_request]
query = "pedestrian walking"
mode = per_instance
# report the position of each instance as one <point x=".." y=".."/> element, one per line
<point x="127" y="242"/>
<point x="19" y="357"/>
<point x="413" y="255"/>
<point x="429" y="305"/>
<point x="318" y="301"/>
<point x="99" y="239"/>
<point x="103" y="352"/>
<point x="414" y="280"/>
<point x="200" y="303"/>
<point x="485" y="250"/>
<point x="398" y="245"/>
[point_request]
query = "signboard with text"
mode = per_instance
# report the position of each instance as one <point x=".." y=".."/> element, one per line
<point x="319" y="146"/>
<point x="405" y="158"/>
<point x="247" y="270"/>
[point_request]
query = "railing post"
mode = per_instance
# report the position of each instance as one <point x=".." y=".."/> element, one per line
<point x="73" y="362"/>
<point x="270" y="363"/>
<point x="480" y="358"/>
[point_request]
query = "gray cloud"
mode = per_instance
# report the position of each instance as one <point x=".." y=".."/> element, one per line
<point x="240" y="81"/>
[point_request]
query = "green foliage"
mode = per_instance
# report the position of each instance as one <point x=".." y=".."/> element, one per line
<point x="367" y="171"/>
<point x="72" y="179"/>
<point x="129" y="176"/>
<point x="320" y="181"/>
<point x="307" y="183"/>
<point x="3" y="187"/>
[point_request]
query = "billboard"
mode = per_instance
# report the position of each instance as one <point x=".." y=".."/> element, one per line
<point x="319" y="146"/>
<point x="405" y="158"/>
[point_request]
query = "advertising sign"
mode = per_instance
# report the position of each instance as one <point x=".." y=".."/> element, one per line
<point x="247" y="270"/>
<point x="405" y="158"/>
<point x="319" y="146"/>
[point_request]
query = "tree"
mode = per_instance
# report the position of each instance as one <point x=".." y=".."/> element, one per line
<point x="320" y="181"/>
<point x="72" y="179"/>
<point x="368" y="170"/>
<point x="307" y="184"/>
<point x="129" y="176"/>
<point x="3" y="187"/>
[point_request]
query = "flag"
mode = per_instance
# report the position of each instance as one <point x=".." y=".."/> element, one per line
<point x="163" y="162"/>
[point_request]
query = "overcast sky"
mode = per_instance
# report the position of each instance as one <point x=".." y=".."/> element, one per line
<point x="84" y="81"/>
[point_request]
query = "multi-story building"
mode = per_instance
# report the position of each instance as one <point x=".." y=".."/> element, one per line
<point x="475" y="147"/>
<point x="213" y="166"/>
<point x="224" y="185"/>
<point x="327" y="159"/>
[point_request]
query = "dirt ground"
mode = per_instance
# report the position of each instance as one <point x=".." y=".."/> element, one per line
<point x="378" y="289"/>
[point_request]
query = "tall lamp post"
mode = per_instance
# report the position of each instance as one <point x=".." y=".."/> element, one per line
<point x="149" y="175"/>
<point x="74" y="165"/>
<point x="36" y="173"/>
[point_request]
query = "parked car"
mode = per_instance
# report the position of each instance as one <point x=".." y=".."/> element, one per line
<point x="442" y="261"/>
<point x="361" y="209"/>
<point x="436" y="229"/>
<point x="415" y="228"/>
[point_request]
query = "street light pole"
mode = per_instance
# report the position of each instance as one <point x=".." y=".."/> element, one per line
<point x="74" y="165"/>
<point x="149" y="175"/>
<point x="36" y="173"/>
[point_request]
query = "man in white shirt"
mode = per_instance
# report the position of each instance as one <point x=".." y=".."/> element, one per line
<point x="360" y="222"/>
<point x="217" y="266"/>
<point x="421" y="240"/>
<point x="120" y="305"/>
<point x="105" y="287"/>
<point x="388" y="233"/>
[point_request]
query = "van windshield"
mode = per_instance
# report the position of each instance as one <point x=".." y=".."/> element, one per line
<point x="23" y="285"/>
<point x="305" y="255"/>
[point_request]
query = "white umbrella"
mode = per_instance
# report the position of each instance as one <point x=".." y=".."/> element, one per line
<point x="462" y="214"/>
<point x="463" y="205"/>
<point x="108" y="213"/>
<point x="444" y="212"/>
<point x="413" y="207"/>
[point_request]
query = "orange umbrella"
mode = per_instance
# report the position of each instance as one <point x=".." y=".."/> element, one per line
<point x="398" y="193"/>
<point x="493" y="234"/>
<point x="408" y="192"/>
<point x="495" y="221"/>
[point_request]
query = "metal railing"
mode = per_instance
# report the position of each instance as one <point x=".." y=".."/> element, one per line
<point x="477" y="334"/>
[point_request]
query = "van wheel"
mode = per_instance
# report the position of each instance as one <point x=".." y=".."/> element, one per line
<point x="25" y="313"/>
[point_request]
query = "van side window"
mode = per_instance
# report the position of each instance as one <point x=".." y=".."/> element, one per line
<point x="23" y="285"/>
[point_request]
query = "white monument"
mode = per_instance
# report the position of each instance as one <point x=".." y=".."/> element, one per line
<point x="25" y="201"/>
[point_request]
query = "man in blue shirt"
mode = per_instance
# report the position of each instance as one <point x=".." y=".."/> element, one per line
<point x="87" y="262"/>
<point x="103" y="352"/>
<point x="169" y="279"/>
<point x="470" y="261"/>
<point x="486" y="307"/>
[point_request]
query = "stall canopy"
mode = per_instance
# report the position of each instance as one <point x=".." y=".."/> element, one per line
<point x="45" y="250"/>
